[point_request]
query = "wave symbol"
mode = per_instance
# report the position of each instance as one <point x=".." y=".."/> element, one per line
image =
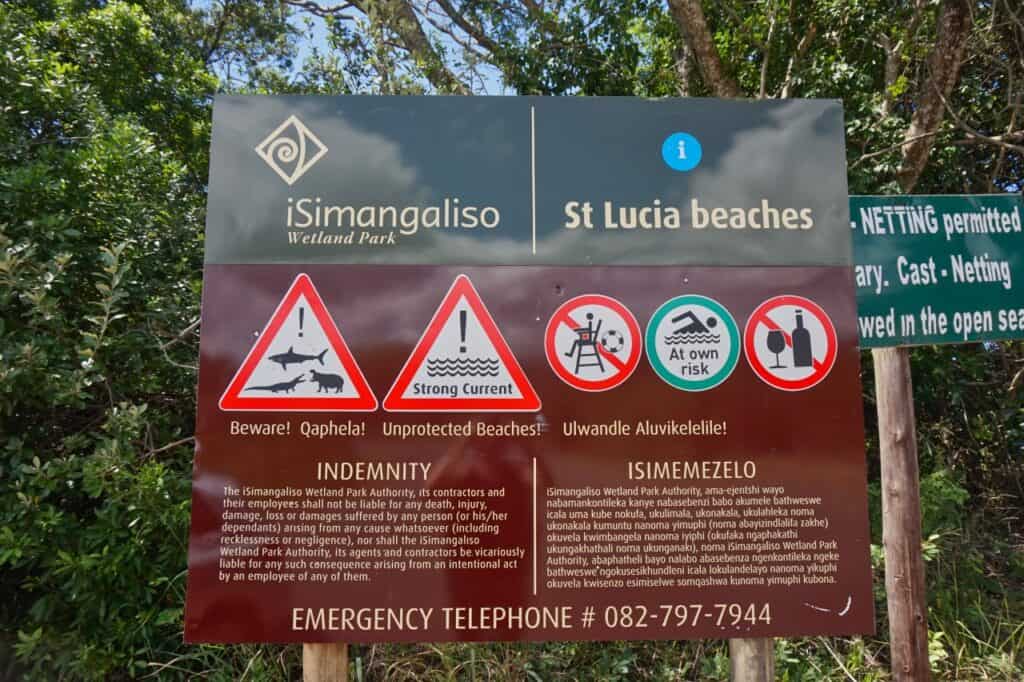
<point x="463" y="367"/>
<point x="680" y="338"/>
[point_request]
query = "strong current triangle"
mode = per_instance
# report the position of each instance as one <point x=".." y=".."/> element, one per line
<point x="462" y="363"/>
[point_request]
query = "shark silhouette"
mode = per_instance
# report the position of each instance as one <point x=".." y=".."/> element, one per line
<point x="293" y="358"/>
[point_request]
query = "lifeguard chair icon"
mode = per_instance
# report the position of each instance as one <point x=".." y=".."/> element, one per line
<point x="584" y="346"/>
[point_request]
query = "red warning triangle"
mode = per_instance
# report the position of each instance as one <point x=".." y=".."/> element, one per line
<point x="462" y="363"/>
<point x="300" y="363"/>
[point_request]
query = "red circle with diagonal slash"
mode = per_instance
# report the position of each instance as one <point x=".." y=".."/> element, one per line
<point x="564" y="315"/>
<point x="761" y="316"/>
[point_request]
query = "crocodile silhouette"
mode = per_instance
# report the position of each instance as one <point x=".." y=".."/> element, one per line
<point x="285" y="386"/>
<point x="293" y="358"/>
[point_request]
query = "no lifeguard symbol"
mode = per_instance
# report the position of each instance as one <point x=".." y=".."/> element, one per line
<point x="790" y="343"/>
<point x="593" y="342"/>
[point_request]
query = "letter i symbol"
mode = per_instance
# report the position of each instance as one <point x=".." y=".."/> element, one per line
<point x="681" y="151"/>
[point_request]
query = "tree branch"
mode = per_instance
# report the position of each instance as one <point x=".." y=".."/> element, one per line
<point x="794" y="61"/>
<point x="218" y="33"/>
<point x="944" y="62"/>
<point x="1001" y="159"/>
<point x="974" y="136"/>
<point x="169" y="446"/>
<point x="320" y="10"/>
<point x="762" y="91"/>
<point x="181" y="335"/>
<point x="456" y="37"/>
<point x="684" y="58"/>
<point x="473" y="31"/>
<point x="400" y="17"/>
<point x="898" y="145"/>
<point x="894" y="54"/>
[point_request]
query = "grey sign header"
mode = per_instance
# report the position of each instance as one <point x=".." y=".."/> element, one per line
<point x="527" y="180"/>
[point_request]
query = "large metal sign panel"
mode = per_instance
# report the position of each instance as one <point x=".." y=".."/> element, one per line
<point x="525" y="368"/>
<point x="938" y="269"/>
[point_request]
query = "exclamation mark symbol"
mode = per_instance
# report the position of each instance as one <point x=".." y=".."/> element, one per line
<point x="302" y="314"/>
<point x="462" y="330"/>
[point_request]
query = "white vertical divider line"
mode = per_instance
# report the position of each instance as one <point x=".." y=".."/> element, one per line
<point x="535" y="526"/>
<point x="533" y="188"/>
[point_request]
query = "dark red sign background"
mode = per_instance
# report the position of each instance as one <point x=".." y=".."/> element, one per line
<point x="809" y="441"/>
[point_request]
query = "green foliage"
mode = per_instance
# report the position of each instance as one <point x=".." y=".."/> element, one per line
<point x="101" y="134"/>
<point x="104" y="132"/>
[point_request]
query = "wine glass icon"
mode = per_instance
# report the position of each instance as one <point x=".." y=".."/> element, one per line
<point x="776" y="344"/>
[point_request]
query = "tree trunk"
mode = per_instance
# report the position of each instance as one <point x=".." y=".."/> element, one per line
<point x="693" y="26"/>
<point x="943" y="71"/>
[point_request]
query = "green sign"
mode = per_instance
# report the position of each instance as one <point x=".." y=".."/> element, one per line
<point x="686" y="320"/>
<point x="938" y="269"/>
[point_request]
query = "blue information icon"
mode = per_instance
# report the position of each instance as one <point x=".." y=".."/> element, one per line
<point x="681" y="151"/>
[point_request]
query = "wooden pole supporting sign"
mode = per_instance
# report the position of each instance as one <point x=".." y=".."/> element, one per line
<point x="752" y="660"/>
<point x="901" y="516"/>
<point x="325" y="662"/>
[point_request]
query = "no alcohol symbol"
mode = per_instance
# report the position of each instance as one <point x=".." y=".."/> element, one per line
<point x="790" y="342"/>
<point x="693" y="343"/>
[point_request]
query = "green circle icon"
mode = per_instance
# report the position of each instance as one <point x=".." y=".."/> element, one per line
<point x="692" y="342"/>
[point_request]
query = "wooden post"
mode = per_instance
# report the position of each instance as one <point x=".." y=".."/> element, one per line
<point x="901" y="516"/>
<point x="325" y="662"/>
<point x="752" y="660"/>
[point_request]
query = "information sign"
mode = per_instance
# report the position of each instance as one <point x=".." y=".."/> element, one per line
<point x="615" y="354"/>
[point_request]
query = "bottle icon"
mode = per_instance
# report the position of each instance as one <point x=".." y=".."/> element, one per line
<point x="802" y="353"/>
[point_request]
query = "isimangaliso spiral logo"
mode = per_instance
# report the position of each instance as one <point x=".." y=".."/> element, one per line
<point x="291" y="149"/>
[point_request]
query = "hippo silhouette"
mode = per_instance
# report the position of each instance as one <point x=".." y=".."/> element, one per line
<point x="325" y="382"/>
